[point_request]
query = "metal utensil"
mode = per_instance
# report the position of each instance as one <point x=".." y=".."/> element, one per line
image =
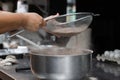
<point x="23" y="38"/>
<point x="70" y="24"/>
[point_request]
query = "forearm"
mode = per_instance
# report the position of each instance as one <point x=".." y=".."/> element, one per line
<point x="10" y="21"/>
<point x="29" y="21"/>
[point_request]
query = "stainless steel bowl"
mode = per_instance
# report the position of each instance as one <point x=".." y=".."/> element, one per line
<point x="61" y="63"/>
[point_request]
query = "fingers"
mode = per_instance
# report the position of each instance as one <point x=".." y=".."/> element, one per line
<point x="51" y="17"/>
<point x="33" y="21"/>
<point x="42" y="23"/>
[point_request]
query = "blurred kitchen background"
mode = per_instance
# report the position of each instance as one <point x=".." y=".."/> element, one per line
<point x="102" y="34"/>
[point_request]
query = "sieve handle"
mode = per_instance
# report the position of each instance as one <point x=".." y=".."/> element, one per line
<point x="25" y="39"/>
<point x="15" y="33"/>
<point x="28" y="41"/>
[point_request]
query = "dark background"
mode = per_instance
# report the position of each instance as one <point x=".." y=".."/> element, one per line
<point x="105" y="34"/>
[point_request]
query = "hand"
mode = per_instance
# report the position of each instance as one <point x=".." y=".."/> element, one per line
<point x="33" y="21"/>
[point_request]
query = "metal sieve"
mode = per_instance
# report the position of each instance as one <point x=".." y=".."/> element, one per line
<point x="69" y="24"/>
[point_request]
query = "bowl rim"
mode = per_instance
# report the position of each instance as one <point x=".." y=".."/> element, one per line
<point x="34" y="52"/>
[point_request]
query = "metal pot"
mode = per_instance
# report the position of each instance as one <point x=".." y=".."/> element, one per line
<point x="61" y="63"/>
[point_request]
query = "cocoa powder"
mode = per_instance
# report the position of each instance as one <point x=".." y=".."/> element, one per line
<point x="69" y="31"/>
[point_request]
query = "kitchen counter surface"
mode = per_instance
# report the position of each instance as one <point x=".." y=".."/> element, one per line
<point x="100" y="71"/>
<point x="9" y="72"/>
<point x="105" y="70"/>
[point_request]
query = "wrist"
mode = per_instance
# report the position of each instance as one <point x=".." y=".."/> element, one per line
<point x="23" y="19"/>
